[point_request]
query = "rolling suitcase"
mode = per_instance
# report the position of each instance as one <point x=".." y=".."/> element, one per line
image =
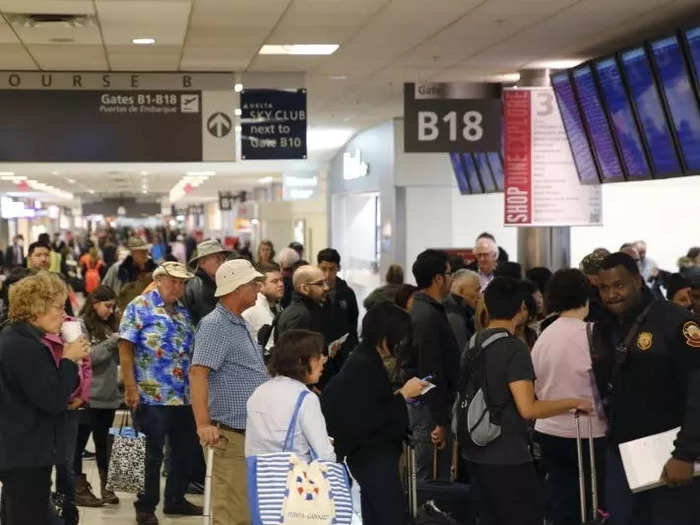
<point x="597" y="517"/>
<point x="206" y="512"/>
<point x="436" y="502"/>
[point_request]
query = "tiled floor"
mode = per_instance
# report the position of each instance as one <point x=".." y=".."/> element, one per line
<point x="123" y="513"/>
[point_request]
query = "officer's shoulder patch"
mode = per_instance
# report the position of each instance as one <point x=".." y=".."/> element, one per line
<point x="691" y="332"/>
<point x="644" y="340"/>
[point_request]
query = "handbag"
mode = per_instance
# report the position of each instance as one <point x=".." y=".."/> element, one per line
<point x="284" y="489"/>
<point x="127" y="464"/>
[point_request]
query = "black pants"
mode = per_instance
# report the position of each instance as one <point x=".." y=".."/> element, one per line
<point x="95" y="421"/>
<point x="157" y="422"/>
<point x="561" y="486"/>
<point x="25" y="496"/>
<point x="512" y="494"/>
<point x="383" y="499"/>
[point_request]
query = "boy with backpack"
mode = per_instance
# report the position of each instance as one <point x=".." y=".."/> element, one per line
<point x="496" y="398"/>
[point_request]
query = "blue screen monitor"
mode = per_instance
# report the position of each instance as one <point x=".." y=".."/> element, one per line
<point x="692" y="37"/>
<point x="637" y="71"/>
<point x="580" y="149"/>
<point x="622" y="119"/>
<point x="497" y="169"/>
<point x="597" y="122"/>
<point x="459" y="174"/>
<point x="674" y="80"/>
<point x="472" y="174"/>
<point x="482" y="164"/>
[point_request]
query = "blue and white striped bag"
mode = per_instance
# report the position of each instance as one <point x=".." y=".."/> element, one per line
<point x="284" y="489"/>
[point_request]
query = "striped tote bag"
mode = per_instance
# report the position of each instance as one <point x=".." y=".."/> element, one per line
<point x="284" y="489"/>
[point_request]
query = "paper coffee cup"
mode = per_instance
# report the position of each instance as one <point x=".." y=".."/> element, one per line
<point x="71" y="330"/>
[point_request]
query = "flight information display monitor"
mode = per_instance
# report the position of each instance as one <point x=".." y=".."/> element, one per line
<point x="459" y="174"/>
<point x="674" y="79"/>
<point x="692" y="37"/>
<point x="580" y="149"/>
<point x="472" y="174"/>
<point x="622" y="119"/>
<point x="597" y="122"/>
<point x="646" y="99"/>
<point x="497" y="169"/>
<point x="482" y="163"/>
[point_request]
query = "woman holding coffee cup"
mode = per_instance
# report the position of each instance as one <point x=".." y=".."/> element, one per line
<point x="35" y="389"/>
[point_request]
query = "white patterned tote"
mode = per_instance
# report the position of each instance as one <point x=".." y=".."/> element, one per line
<point x="127" y="464"/>
<point x="284" y="489"/>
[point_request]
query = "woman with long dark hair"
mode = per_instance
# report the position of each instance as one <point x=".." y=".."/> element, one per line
<point x="368" y="418"/>
<point x="101" y="322"/>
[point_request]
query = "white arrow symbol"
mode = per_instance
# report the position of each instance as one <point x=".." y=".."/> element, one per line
<point x="220" y="124"/>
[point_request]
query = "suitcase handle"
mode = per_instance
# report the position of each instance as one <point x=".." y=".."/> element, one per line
<point x="581" y="473"/>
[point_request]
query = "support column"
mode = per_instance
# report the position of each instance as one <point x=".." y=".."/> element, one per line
<point x="542" y="246"/>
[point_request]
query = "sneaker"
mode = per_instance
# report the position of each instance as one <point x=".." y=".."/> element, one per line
<point x="146" y="518"/>
<point x="88" y="455"/>
<point x="183" y="508"/>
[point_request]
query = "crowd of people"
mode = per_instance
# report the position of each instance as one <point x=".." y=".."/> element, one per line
<point x="211" y="347"/>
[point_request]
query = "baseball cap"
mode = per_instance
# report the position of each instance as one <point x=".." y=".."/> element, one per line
<point x="174" y="269"/>
<point x="231" y="275"/>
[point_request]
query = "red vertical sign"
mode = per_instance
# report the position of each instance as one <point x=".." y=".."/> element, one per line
<point x="518" y="156"/>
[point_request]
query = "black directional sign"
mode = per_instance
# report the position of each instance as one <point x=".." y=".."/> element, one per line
<point x="273" y="124"/>
<point x="219" y="124"/>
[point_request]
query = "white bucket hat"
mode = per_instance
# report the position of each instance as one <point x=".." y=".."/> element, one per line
<point x="231" y="275"/>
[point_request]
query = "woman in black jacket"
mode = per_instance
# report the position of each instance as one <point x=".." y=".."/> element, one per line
<point x="368" y="420"/>
<point x="34" y="391"/>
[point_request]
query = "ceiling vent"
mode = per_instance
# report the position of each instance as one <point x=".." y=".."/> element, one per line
<point x="44" y="21"/>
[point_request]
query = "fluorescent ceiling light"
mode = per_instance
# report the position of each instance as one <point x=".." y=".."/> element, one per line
<point x="238" y="87"/>
<point x="558" y="63"/>
<point x="200" y="173"/>
<point x="6" y="173"/>
<point x="266" y="180"/>
<point x="143" y="41"/>
<point x="299" y="49"/>
<point x="319" y="139"/>
<point x="339" y="77"/>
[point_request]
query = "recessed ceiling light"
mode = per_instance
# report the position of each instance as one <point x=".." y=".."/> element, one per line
<point x="91" y="192"/>
<point x="238" y="87"/>
<point x="71" y="181"/>
<point x="55" y="173"/>
<point x="238" y="112"/>
<point x="299" y="49"/>
<point x="339" y="77"/>
<point x="200" y="173"/>
<point x="265" y="180"/>
<point x="144" y="191"/>
<point x="143" y="41"/>
<point x="144" y="173"/>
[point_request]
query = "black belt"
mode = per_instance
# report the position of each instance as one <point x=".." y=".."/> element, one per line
<point x="230" y="429"/>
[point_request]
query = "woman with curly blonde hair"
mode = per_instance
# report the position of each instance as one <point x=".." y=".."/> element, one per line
<point x="35" y="389"/>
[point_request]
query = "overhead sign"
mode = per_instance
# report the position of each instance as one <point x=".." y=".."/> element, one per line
<point x="226" y="200"/>
<point x="446" y="118"/>
<point x="542" y="187"/>
<point x="116" y="117"/>
<point x="273" y="124"/>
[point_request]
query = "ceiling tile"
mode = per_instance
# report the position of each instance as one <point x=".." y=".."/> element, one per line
<point x="162" y="61"/>
<point x="123" y="20"/>
<point x="237" y="13"/>
<point x="64" y="57"/>
<point x="14" y="56"/>
<point x="48" y="7"/>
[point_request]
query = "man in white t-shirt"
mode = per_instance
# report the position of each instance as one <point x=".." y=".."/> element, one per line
<point x="269" y="297"/>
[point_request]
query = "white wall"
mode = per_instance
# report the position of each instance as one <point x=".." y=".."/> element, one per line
<point x="665" y="213"/>
<point x="277" y="220"/>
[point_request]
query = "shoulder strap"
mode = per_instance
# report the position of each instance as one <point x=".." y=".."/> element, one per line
<point x="289" y="439"/>
<point x="622" y="350"/>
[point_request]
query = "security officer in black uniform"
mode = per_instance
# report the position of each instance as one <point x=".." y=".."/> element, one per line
<point x="647" y="365"/>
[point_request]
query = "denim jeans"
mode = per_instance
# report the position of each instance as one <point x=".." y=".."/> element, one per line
<point x="177" y="424"/>
<point x="421" y="425"/>
<point x="65" y="477"/>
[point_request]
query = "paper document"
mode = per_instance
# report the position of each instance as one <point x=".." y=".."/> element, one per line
<point x="427" y="388"/>
<point x="644" y="459"/>
<point x="338" y="342"/>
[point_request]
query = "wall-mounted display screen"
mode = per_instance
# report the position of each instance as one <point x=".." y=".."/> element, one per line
<point x="472" y="174"/>
<point x="597" y="122"/>
<point x="482" y="163"/>
<point x="575" y="132"/>
<point x="459" y="174"/>
<point x="637" y="71"/>
<point x="692" y="37"/>
<point x="497" y="169"/>
<point x="680" y="97"/>
<point x="622" y="119"/>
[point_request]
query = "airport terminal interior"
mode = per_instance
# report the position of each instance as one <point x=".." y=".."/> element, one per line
<point x="332" y="154"/>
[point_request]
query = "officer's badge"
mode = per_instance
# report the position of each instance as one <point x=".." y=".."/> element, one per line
<point x="691" y="332"/>
<point x="644" y="340"/>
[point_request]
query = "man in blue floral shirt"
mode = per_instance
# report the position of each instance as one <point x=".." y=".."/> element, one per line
<point x="156" y="338"/>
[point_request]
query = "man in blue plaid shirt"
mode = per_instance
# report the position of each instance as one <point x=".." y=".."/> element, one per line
<point x="226" y="368"/>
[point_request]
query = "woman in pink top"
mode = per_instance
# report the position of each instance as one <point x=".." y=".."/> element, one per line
<point x="562" y="362"/>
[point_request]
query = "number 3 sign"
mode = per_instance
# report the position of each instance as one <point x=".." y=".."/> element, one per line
<point x="437" y="119"/>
